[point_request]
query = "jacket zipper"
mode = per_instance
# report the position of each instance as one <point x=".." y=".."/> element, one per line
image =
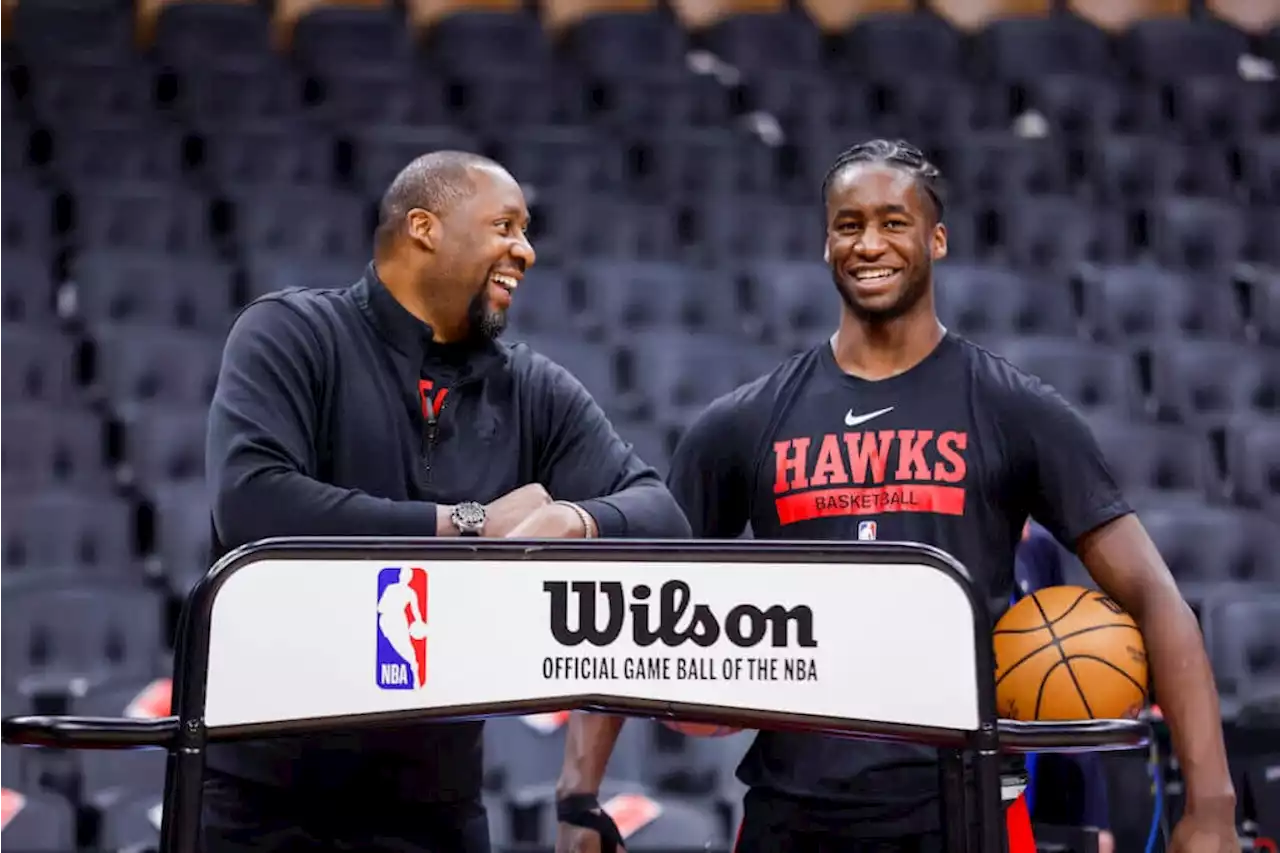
<point x="430" y="427"/>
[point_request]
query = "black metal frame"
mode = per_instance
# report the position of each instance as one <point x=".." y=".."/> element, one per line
<point x="184" y="735"/>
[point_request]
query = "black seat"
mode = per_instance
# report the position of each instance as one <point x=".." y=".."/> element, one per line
<point x="1143" y="303"/>
<point x="981" y="300"/>
<point x="1206" y="545"/>
<point x="1209" y="381"/>
<point x="69" y="530"/>
<point x="1099" y="380"/>
<point x="1168" y="462"/>
<point x="1253" y="462"/>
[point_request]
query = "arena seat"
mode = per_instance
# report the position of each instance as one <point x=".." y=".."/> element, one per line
<point x="1266" y="311"/>
<point x="455" y="32"/>
<point x="1155" y="461"/>
<point x="315" y="222"/>
<point x="163" y="443"/>
<point x="28" y="291"/>
<point x="1207" y="546"/>
<point x="1099" y="379"/>
<point x="211" y="99"/>
<point x="28" y="214"/>
<point x="204" y="35"/>
<point x="110" y="286"/>
<point x="1142" y="303"/>
<point x="1119" y="15"/>
<point x="975" y="15"/>
<point x="1242" y="643"/>
<point x="1253" y="462"/>
<point x="1026" y="47"/>
<point x="53" y="446"/>
<point x="1132" y="166"/>
<point x="267" y="156"/>
<point x="982" y="301"/>
<point x="886" y="48"/>
<point x="182" y="533"/>
<point x="737" y="25"/>
<point x="39" y="822"/>
<point x="1207" y="382"/>
<point x="66" y="530"/>
<point x="593" y="19"/>
<point x="139" y="363"/>
<point x="167" y="219"/>
<point x="329" y="35"/>
<point x="74" y="96"/>
<point x="37" y="367"/>
<point x="525" y="751"/>
<point x="836" y="16"/>
<point x="1171" y="48"/>
<point x="131" y="824"/>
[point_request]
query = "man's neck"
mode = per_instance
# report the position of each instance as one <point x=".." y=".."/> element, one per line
<point x="401" y="282"/>
<point x="879" y="350"/>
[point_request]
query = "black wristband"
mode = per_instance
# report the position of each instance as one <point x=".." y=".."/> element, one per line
<point x="584" y="810"/>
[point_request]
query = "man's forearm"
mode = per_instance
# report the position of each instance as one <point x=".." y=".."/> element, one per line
<point x="644" y="510"/>
<point x="588" y="744"/>
<point x="1188" y="699"/>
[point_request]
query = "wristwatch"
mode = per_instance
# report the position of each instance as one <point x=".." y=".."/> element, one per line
<point x="468" y="517"/>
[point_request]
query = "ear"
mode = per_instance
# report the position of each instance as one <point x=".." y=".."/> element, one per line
<point x="424" y="228"/>
<point x="939" y="247"/>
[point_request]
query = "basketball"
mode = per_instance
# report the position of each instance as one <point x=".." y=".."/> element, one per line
<point x="701" y="729"/>
<point x="1069" y="653"/>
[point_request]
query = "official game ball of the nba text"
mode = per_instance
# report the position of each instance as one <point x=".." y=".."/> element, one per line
<point x="1069" y="653"/>
<point x="700" y="729"/>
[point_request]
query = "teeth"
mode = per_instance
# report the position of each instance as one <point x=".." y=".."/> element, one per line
<point x="505" y="281"/>
<point x="865" y="275"/>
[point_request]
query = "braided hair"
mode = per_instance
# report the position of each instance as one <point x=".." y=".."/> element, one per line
<point x="896" y="153"/>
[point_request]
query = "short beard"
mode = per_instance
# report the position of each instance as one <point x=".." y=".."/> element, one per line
<point x="485" y="324"/>
<point x="915" y="291"/>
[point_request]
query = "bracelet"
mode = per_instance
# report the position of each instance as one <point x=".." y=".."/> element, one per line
<point x="582" y="514"/>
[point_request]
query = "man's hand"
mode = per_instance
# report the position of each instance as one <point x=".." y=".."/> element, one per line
<point x="554" y="521"/>
<point x="577" y="839"/>
<point x="509" y="511"/>
<point x="1205" y="833"/>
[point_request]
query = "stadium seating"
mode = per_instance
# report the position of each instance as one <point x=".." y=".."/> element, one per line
<point x="1114" y="178"/>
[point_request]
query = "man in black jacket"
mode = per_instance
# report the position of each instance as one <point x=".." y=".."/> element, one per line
<point x="389" y="408"/>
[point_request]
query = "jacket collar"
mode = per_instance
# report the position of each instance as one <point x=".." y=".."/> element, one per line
<point x="407" y="333"/>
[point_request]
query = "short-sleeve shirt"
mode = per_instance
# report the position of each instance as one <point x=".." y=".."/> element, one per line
<point x="956" y="452"/>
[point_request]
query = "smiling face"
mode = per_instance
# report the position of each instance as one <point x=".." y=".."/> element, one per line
<point x="478" y="254"/>
<point x="882" y="240"/>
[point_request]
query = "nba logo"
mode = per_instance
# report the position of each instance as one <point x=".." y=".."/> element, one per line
<point x="402" y="629"/>
<point x="866" y="531"/>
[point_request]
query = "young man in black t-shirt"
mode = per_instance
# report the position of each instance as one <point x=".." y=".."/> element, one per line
<point x="897" y="421"/>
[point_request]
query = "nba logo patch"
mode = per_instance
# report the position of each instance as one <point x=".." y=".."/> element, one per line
<point x="866" y="531"/>
<point x="402" y="629"/>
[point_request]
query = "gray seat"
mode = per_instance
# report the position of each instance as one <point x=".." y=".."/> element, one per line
<point x="1142" y="303"/>
<point x="1170" y="462"/>
<point x="53" y="445"/>
<point x="28" y="289"/>
<point x="65" y="639"/>
<point x="979" y="300"/>
<point x="1208" y="382"/>
<point x="164" y="444"/>
<point x="626" y="296"/>
<point x="1094" y="378"/>
<point x="1205" y="546"/>
<point x="38" y="366"/>
<point x="246" y="158"/>
<point x="1253" y="462"/>
<point x="103" y="156"/>
<point x="309" y="222"/>
<point x="183" y="528"/>
<point x="144" y="364"/>
<point x="68" y="530"/>
<point x="270" y="272"/>
<point x="1243" y="643"/>
<point x="153" y="290"/>
<point x="149" y="218"/>
<point x="525" y="751"/>
<point x="789" y="301"/>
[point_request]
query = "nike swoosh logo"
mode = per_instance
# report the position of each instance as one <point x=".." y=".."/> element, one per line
<point x="852" y="420"/>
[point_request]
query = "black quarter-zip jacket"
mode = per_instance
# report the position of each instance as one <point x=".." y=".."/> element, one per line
<point x="336" y="414"/>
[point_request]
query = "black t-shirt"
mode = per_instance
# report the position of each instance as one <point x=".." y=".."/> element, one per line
<point x="955" y="453"/>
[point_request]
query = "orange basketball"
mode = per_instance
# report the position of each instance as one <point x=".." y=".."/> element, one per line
<point x="700" y="729"/>
<point x="1069" y="653"/>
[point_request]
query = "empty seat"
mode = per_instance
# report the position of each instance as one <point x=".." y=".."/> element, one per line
<point x="753" y="32"/>
<point x="69" y="98"/>
<point x="1125" y="169"/>
<point x="269" y="155"/>
<point x="1223" y="109"/>
<point x="136" y="287"/>
<point x="160" y="219"/>
<point x="312" y="223"/>
<point x="39" y="367"/>
<point x="1019" y="48"/>
<point x="216" y="99"/>
<point x="1086" y="106"/>
<point x="28" y="289"/>
<point x="1169" y="461"/>
<point x="1247" y="15"/>
<point x="1266" y="308"/>
<point x="62" y="34"/>
<point x="163" y="444"/>
<point x="1253" y="463"/>
<point x="27" y="214"/>
<point x="1141" y="303"/>
<point x="1119" y="15"/>
<point x="329" y="37"/>
<point x="38" y="821"/>
<point x="119" y="155"/>
<point x="544" y="303"/>
<point x="730" y="229"/>
<point x="65" y="530"/>
<point x="790" y="301"/>
<point x="1170" y="49"/>
<point x="993" y="166"/>
<point x="366" y="97"/>
<point x="696" y="162"/>
<point x="146" y="364"/>
<point x="1095" y="379"/>
<point x="1260" y="163"/>
<point x="1198" y="234"/>
<point x="982" y="301"/>
<point x="523" y="751"/>
<point x="53" y="445"/>
<point x="183" y="530"/>
<point x="888" y="47"/>
<point x="670" y="376"/>
<point x="1243" y="643"/>
<point x="1209" y="381"/>
<point x="1053" y="233"/>
<point x="623" y="296"/>
<point x="659" y="100"/>
<point x="382" y="152"/>
<point x="616" y="38"/>
<point x="457" y="31"/>
<point x="208" y="34"/>
<point x="68" y="639"/>
<point x="1207" y="545"/>
<point x="567" y="158"/>
<point x="930" y="109"/>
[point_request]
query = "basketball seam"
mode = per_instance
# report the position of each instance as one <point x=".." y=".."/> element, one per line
<point x="1106" y="662"/>
<point x="1058" y="645"/>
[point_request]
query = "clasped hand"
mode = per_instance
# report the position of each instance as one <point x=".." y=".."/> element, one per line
<point x="529" y="513"/>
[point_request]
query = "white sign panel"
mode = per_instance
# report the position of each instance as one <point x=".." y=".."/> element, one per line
<point x="302" y="639"/>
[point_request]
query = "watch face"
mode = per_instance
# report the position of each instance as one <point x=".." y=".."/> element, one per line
<point x="468" y="516"/>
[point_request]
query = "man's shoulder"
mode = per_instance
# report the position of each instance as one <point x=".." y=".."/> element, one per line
<point x="996" y="377"/>
<point x="309" y="302"/>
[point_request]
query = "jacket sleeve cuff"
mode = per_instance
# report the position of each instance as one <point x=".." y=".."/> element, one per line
<point x="411" y="518"/>
<point x="610" y="522"/>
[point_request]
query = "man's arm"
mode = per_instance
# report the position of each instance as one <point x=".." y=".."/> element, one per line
<point x="1074" y="495"/>
<point x="585" y="461"/>
<point x="260" y="452"/>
